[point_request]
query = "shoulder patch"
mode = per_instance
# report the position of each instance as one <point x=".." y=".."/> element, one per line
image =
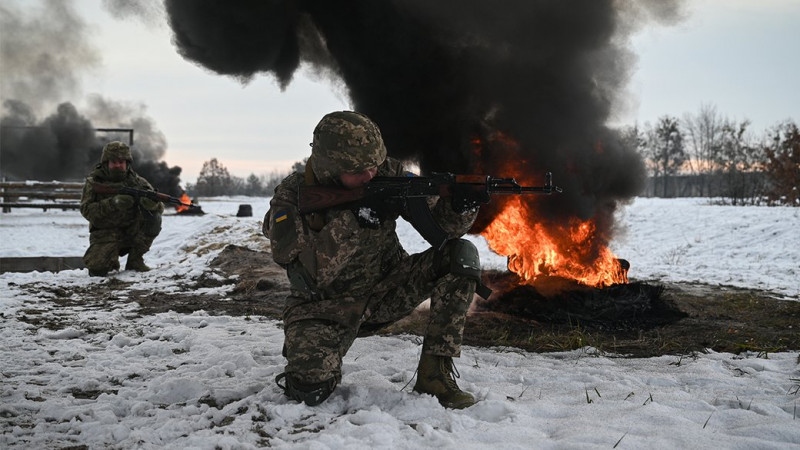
<point x="283" y="235"/>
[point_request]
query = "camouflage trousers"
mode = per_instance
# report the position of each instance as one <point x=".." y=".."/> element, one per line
<point x="106" y="246"/>
<point x="314" y="348"/>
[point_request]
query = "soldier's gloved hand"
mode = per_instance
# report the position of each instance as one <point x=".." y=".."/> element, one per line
<point x="123" y="202"/>
<point x="367" y="217"/>
<point x="467" y="198"/>
<point x="148" y="204"/>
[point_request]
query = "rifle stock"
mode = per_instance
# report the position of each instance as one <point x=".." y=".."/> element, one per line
<point x="317" y="198"/>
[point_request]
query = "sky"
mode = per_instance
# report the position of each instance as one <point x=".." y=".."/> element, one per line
<point x="108" y="376"/>
<point x="738" y="55"/>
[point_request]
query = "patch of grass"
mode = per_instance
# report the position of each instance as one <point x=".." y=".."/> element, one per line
<point x="90" y="394"/>
<point x="709" y="418"/>
<point x="620" y="439"/>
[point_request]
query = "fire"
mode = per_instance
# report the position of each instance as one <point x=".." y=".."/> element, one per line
<point x="535" y="248"/>
<point x="184" y="199"/>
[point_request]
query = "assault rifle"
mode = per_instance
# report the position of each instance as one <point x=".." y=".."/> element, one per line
<point x="138" y="193"/>
<point x="411" y="193"/>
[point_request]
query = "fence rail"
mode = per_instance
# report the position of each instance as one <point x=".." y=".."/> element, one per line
<point x="40" y="194"/>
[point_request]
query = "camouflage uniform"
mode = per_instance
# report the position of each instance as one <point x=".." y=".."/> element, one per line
<point x="348" y="274"/>
<point x="118" y="229"/>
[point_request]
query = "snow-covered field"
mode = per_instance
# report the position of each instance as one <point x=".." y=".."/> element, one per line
<point x="115" y="380"/>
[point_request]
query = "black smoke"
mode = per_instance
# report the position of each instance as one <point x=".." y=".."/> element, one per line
<point x="59" y="147"/>
<point x="44" y="135"/>
<point x="65" y="146"/>
<point x="449" y="80"/>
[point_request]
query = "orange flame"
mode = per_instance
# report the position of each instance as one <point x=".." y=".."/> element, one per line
<point x="536" y="247"/>
<point x="184" y="199"/>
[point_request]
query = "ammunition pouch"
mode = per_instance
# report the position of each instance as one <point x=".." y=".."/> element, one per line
<point x="300" y="279"/>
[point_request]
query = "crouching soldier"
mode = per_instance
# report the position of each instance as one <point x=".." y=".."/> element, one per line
<point x="119" y="224"/>
<point x="349" y="274"/>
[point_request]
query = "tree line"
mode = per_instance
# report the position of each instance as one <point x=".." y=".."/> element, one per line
<point x="709" y="155"/>
<point x="700" y="155"/>
<point x="215" y="180"/>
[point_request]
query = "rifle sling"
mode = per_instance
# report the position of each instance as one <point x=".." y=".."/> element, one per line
<point x="314" y="220"/>
<point x="422" y="220"/>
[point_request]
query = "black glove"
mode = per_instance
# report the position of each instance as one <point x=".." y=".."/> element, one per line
<point x="468" y="198"/>
<point x="367" y="217"/>
<point x="371" y="214"/>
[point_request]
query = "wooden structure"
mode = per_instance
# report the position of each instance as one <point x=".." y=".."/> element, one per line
<point x="40" y="263"/>
<point x="40" y="194"/>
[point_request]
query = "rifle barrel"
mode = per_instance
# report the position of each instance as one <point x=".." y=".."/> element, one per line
<point x="101" y="188"/>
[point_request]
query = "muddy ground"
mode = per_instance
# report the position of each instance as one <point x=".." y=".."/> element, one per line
<point x="640" y="319"/>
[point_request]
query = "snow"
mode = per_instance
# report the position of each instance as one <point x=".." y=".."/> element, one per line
<point x="116" y="379"/>
<point x="694" y="240"/>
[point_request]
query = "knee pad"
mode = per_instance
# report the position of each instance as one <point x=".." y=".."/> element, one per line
<point x="312" y="394"/>
<point x="151" y="226"/>
<point x="462" y="259"/>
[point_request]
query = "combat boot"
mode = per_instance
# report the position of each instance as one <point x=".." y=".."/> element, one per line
<point x="312" y="394"/>
<point x="436" y="375"/>
<point x="136" y="262"/>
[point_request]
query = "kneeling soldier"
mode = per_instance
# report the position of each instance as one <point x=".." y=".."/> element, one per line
<point x="118" y="224"/>
<point x="349" y="274"/>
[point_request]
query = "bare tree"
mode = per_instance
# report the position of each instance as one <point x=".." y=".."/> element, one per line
<point x="300" y="166"/>
<point x="642" y="140"/>
<point x="253" y="186"/>
<point x="738" y="163"/>
<point x="238" y="186"/>
<point x="631" y="138"/>
<point x="782" y="166"/>
<point x="703" y="138"/>
<point x="213" y="180"/>
<point x="270" y="181"/>
<point x="663" y="148"/>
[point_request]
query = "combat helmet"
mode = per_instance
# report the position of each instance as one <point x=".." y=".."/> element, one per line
<point x="118" y="151"/>
<point x="345" y="142"/>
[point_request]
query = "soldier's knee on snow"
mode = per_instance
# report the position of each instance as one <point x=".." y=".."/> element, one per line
<point x="151" y="226"/>
<point x="462" y="258"/>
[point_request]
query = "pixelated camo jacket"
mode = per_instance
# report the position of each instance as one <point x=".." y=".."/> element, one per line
<point x="343" y="258"/>
<point x="93" y="210"/>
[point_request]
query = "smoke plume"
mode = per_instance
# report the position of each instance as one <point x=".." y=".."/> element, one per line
<point x="44" y="54"/>
<point x="148" y="12"/>
<point x="45" y="136"/>
<point x="450" y="83"/>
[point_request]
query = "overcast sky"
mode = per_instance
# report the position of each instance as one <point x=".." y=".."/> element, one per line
<point x="740" y="55"/>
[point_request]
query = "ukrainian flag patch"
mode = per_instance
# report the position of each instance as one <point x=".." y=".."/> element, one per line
<point x="281" y="217"/>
